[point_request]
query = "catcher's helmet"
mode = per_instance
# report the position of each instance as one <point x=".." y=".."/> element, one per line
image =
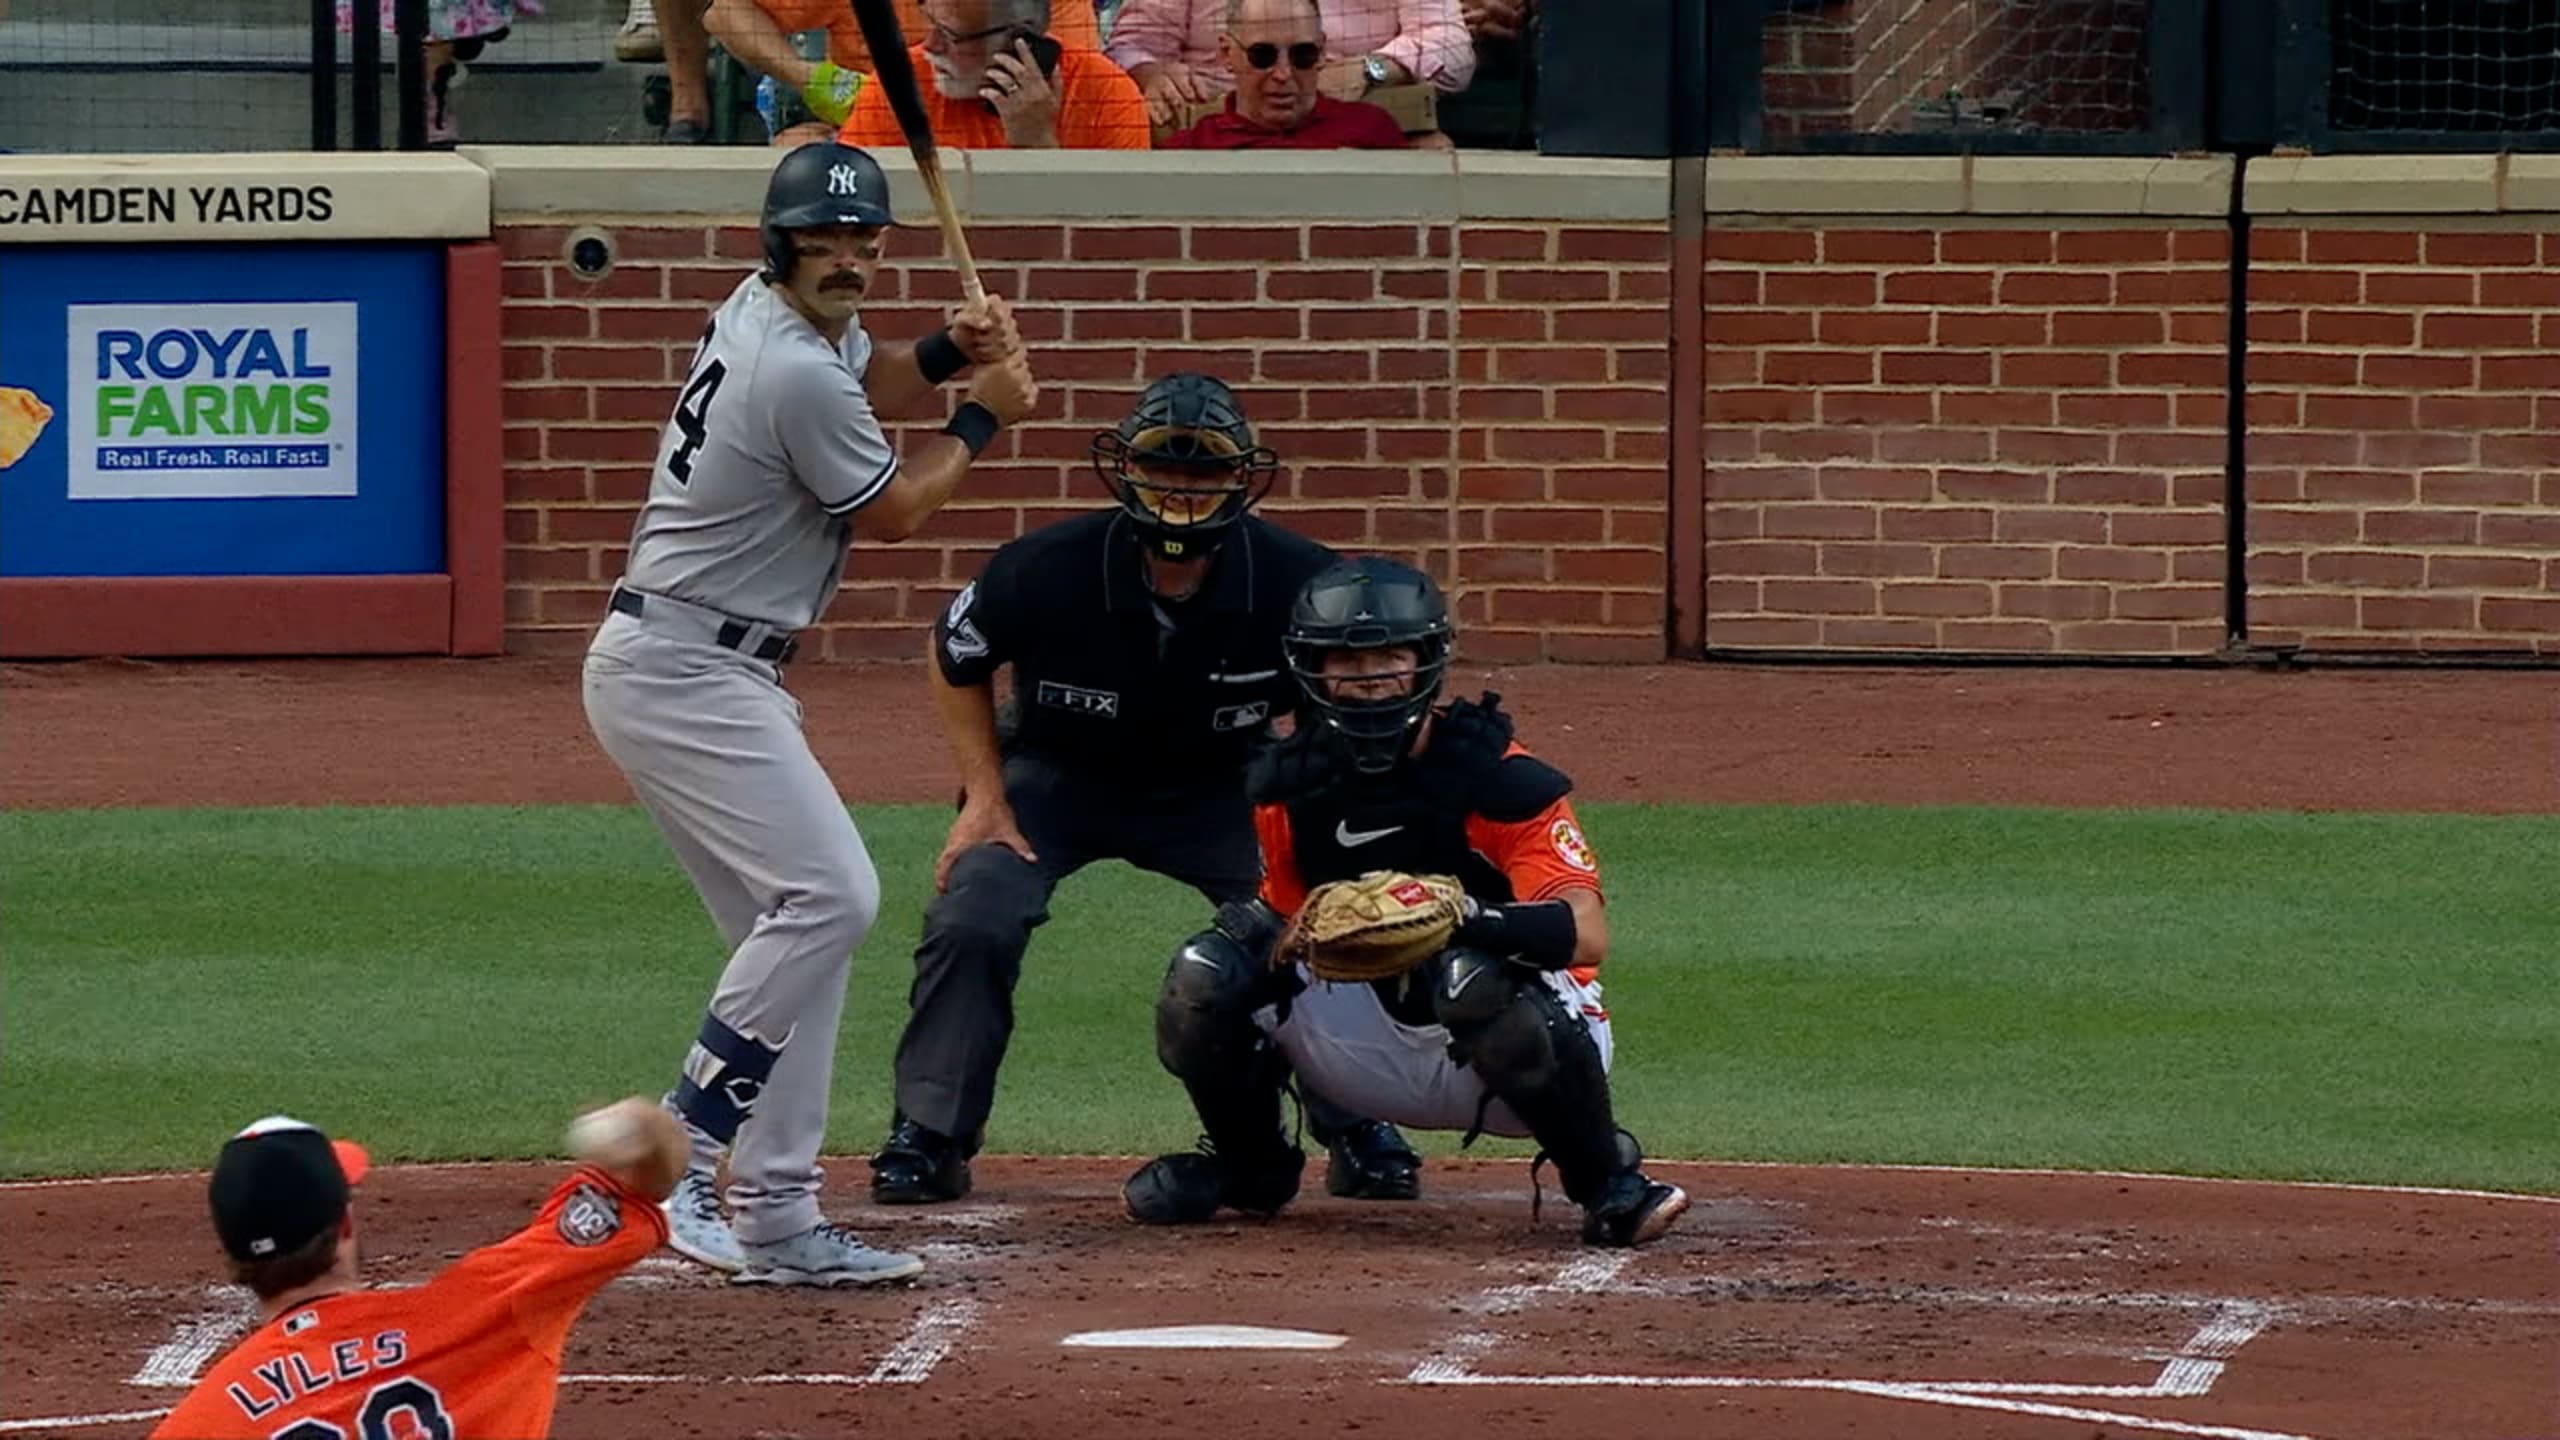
<point x="1184" y="465"/>
<point x="1370" y="603"/>
<point x="820" y="183"/>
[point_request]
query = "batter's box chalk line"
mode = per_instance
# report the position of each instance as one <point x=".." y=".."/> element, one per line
<point x="2184" y="1375"/>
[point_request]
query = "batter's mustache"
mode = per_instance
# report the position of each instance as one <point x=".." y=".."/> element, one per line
<point x="854" y="283"/>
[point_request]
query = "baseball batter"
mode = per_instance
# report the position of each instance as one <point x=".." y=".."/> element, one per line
<point x="772" y="462"/>
<point x="1502" y="1030"/>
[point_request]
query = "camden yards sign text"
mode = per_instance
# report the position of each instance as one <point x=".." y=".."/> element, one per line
<point x="165" y="204"/>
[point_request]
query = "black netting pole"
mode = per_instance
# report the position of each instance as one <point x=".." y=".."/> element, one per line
<point x="324" y="75"/>
<point x="409" y="31"/>
<point x="367" y="60"/>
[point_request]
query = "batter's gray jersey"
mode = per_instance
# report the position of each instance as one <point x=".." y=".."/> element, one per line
<point x="772" y="447"/>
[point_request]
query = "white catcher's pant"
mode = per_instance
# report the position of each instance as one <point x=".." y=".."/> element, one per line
<point x="1341" y="1041"/>
<point x="712" y="746"/>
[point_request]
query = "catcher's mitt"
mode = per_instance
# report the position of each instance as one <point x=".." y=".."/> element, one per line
<point x="1374" y="928"/>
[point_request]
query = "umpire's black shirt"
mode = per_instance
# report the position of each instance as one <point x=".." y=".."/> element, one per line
<point x="1110" y="677"/>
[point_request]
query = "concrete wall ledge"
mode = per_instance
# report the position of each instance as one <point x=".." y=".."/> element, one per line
<point x="1961" y="185"/>
<point x="537" y="182"/>
<point x="242" y="196"/>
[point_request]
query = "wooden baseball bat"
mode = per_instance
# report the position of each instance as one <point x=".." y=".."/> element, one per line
<point x="895" y="73"/>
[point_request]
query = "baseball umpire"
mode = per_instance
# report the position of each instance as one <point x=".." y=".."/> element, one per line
<point x="474" y="1351"/>
<point x="1145" y="646"/>
<point x="1498" y="1023"/>
<point x="772" y="462"/>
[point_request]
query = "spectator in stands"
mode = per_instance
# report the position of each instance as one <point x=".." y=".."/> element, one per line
<point x="996" y="78"/>
<point x="1273" y="48"/>
<point x="1173" y="49"/>
<point x="457" y="32"/>
<point x="1498" y="110"/>
<point x="758" y="33"/>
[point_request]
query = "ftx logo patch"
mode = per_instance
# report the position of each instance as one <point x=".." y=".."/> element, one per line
<point x="1101" y="704"/>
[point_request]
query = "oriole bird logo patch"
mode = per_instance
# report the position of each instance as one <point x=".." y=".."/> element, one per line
<point x="22" y="421"/>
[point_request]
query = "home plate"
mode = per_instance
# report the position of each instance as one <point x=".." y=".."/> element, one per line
<point x="1205" y="1337"/>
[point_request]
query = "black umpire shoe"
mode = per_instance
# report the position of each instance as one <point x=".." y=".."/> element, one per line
<point x="1632" y="1210"/>
<point x="1371" y="1161"/>
<point x="918" y="1166"/>
<point x="1193" y="1186"/>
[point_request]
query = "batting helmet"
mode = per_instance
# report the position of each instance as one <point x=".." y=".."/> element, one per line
<point x="1184" y="464"/>
<point x="1370" y="603"/>
<point x="820" y="183"/>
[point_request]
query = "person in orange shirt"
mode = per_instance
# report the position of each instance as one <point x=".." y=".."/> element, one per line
<point x="759" y="33"/>
<point x="1502" y="1031"/>
<point x="473" y="1352"/>
<point x="995" y="76"/>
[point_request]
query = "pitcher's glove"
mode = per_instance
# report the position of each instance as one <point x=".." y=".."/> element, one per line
<point x="1374" y="928"/>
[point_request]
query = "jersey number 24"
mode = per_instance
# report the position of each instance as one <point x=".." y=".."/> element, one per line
<point x="693" y="409"/>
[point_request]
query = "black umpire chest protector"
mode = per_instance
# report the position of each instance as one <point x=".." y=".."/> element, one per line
<point x="1415" y="822"/>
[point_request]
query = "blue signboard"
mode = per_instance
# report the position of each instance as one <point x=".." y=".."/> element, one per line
<point x="222" y="410"/>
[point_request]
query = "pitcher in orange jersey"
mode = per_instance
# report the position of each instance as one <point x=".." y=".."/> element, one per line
<point x="474" y="1352"/>
<point x="1502" y="1031"/>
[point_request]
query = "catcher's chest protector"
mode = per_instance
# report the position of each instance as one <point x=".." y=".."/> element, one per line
<point x="1391" y="822"/>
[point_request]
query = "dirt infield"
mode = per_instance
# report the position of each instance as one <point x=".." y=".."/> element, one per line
<point x="1794" y="1303"/>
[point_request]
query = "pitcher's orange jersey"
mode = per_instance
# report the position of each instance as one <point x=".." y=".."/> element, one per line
<point x="474" y="1352"/>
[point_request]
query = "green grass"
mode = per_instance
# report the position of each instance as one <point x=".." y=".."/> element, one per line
<point x="2329" y="997"/>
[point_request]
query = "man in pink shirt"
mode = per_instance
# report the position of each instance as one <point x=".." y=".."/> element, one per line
<point x="1170" y="47"/>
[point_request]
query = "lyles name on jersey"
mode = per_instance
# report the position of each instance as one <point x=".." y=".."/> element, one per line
<point x="290" y="1377"/>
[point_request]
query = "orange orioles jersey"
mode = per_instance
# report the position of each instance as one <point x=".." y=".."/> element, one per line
<point x="1541" y="857"/>
<point x="474" y="1352"/>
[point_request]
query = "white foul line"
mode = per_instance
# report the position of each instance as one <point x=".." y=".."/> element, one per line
<point x="931" y="1338"/>
<point x="228" y="1311"/>
<point x="76" y="1422"/>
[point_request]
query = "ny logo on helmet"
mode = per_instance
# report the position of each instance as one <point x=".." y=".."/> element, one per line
<point x="843" y="180"/>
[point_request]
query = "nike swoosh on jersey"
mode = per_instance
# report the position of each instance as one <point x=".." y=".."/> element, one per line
<point x="1344" y="835"/>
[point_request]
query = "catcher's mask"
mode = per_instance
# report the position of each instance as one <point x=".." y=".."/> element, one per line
<point x="1184" y="465"/>
<point x="817" y="185"/>
<point x="1362" y="604"/>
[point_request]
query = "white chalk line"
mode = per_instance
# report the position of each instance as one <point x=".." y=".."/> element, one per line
<point x="82" y="1422"/>
<point x="2449" y="1192"/>
<point x="227" y="1313"/>
<point x="1886" y="1390"/>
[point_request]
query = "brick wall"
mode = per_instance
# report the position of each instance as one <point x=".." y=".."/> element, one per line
<point x="1966" y="439"/>
<point x="1870" y="65"/>
<point x="2404" y="447"/>
<point x="1486" y="399"/>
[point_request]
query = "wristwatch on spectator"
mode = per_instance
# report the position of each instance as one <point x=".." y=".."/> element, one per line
<point x="1375" y="68"/>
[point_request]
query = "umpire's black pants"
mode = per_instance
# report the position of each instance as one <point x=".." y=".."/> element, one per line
<point x="960" y="1006"/>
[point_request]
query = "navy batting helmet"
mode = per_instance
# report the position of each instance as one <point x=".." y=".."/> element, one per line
<point x="1370" y="603"/>
<point x="1184" y="464"/>
<point x="820" y="183"/>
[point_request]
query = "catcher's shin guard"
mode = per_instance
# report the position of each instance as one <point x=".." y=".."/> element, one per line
<point x="724" y="1074"/>
<point x="1538" y="1057"/>
<point x="1205" y="1036"/>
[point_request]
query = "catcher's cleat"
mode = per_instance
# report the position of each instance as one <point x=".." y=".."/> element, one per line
<point x="697" y="1226"/>
<point x="1632" y="1211"/>
<point x="919" y="1167"/>
<point x="1192" y="1186"/>
<point x="1371" y="1161"/>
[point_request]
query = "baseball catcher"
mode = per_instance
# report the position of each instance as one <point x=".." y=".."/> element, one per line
<point x="1426" y="944"/>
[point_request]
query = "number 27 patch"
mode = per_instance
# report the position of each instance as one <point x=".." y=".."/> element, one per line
<point x="1571" y="848"/>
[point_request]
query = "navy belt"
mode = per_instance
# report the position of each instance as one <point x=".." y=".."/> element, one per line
<point x="731" y="635"/>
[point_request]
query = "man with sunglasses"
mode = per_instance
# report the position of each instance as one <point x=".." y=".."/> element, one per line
<point x="1174" y="49"/>
<point x="1145" y="646"/>
<point x="1274" y="48"/>
<point x="1001" y="80"/>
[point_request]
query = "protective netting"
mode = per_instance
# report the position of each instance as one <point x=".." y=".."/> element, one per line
<point x="1884" y="66"/>
<point x="2439" y="66"/>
